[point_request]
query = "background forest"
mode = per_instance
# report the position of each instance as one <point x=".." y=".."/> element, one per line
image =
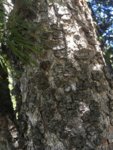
<point x="102" y="12"/>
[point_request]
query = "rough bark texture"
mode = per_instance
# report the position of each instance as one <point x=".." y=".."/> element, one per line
<point x="67" y="101"/>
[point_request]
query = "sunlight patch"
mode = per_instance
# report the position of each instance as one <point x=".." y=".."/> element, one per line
<point x="8" y="6"/>
<point x="97" y="67"/>
<point x="83" y="108"/>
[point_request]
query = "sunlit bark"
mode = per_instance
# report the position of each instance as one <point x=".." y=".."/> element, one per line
<point x="67" y="97"/>
<point x="6" y="112"/>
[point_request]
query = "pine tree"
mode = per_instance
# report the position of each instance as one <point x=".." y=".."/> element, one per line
<point x="67" y="94"/>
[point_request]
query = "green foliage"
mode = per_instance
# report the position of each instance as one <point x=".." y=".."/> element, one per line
<point x="19" y="39"/>
<point x="109" y="56"/>
<point x="2" y="62"/>
<point x="21" y="35"/>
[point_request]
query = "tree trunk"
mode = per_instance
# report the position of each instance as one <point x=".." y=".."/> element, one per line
<point x="67" y="96"/>
<point x="6" y="112"/>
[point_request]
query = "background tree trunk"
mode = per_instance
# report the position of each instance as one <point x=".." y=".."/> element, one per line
<point x="67" y="97"/>
<point x="6" y="112"/>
